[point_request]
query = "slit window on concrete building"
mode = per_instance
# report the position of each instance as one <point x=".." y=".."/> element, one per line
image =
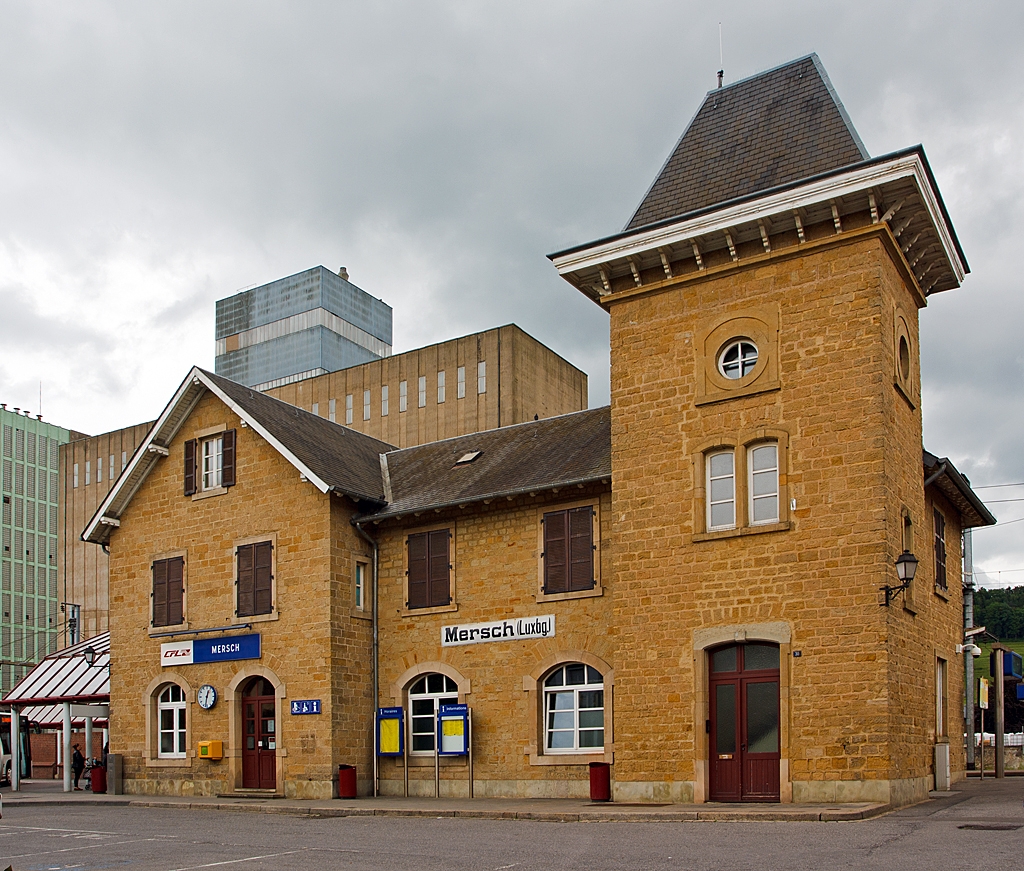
<point x="440" y="387"/>
<point x="384" y="401"/>
<point x="461" y="376"/>
<point x="426" y="696"/>
<point x="422" y="391"/>
<point x="124" y="459"/>
<point x="99" y="469"/>
<point x="88" y="472"/>
<point x="348" y="408"/>
<point x="940" y="550"/>
<point x="721" y="490"/>
<point x="481" y="377"/>
<point x="316" y="408"/>
<point x="332" y="409"/>
<point x="574" y="710"/>
<point x="366" y="405"/>
<point x="110" y="468"/>
<point x="403" y="395"/>
<point x="75" y="476"/>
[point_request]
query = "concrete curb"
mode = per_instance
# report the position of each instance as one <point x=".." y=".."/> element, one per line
<point x="609" y="814"/>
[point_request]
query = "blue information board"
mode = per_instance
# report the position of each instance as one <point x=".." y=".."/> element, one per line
<point x="390" y="732"/>
<point x="453" y="730"/>
<point x="305" y="706"/>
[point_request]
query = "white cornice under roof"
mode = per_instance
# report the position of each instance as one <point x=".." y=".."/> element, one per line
<point x="581" y="264"/>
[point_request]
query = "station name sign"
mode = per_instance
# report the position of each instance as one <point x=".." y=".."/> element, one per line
<point x="210" y="650"/>
<point x="519" y="629"/>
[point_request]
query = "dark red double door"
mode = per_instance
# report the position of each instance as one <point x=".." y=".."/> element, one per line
<point x="259" y="736"/>
<point x="744" y="701"/>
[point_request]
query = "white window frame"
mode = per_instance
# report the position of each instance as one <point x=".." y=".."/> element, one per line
<point x="178" y="731"/>
<point x="709" y="478"/>
<point x="384" y="401"/>
<point x="403" y="396"/>
<point x="481" y="377"/>
<point x="348" y="408"/>
<point x="99" y="470"/>
<point x="440" y="387"/>
<point x="75" y="480"/>
<point x="449" y="695"/>
<point x="110" y="470"/>
<point x="359" y="587"/>
<point x="745" y="362"/>
<point x="555" y="698"/>
<point x="762" y="475"/>
<point x="88" y="472"/>
<point x="422" y="385"/>
<point x="211" y="463"/>
<point x="461" y="378"/>
<point x="332" y="406"/>
<point x="366" y="405"/>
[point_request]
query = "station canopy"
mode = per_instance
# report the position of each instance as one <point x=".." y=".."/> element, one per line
<point x="64" y="676"/>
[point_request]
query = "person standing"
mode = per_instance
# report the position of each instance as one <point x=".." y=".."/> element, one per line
<point x="77" y="764"/>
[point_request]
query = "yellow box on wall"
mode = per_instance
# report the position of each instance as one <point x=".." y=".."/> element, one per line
<point x="211" y="749"/>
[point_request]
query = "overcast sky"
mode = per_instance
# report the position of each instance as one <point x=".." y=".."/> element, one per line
<point x="157" y="157"/>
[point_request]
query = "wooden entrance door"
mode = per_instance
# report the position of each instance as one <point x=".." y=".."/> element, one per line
<point x="744" y="703"/>
<point x="259" y="736"/>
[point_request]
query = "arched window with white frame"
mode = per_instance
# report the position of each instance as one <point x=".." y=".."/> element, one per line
<point x="171" y="722"/>
<point x="574" y="709"/>
<point x="426" y="695"/>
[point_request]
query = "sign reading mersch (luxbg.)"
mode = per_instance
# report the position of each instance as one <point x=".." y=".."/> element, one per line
<point x="499" y="630"/>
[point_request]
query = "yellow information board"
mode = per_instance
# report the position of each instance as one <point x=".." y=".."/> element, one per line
<point x="983" y="694"/>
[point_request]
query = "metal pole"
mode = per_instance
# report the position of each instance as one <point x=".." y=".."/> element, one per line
<point x="469" y="719"/>
<point x="88" y="738"/>
<point x="15" y="748"/>
<point x="437" y="767"/>
<point x="982" y="749"/>
<point x="968" y="658"/>
<point x="405" y="763"/>
<point x="67" y="746"/>
<point x="1000" y="713"/>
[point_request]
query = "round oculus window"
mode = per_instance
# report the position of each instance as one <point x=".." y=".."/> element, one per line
<point x="904" y="359"/>
<point x="738" y="359"/>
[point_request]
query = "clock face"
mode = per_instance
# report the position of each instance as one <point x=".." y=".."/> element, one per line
<point x="207" y="696"/>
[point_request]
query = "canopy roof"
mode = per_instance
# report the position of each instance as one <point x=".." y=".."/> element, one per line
<point x="65" y="676"/>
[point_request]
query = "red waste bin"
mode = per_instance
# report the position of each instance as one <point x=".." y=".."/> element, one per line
<point x="98" y="778"/>
<point x="600" y="781"/>
<point x="346" y="781"/>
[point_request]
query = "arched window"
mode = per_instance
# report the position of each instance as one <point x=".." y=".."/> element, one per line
<point x="171" y="707"/>
<point x="426" y="695"/>
<point x="574" y="709"/>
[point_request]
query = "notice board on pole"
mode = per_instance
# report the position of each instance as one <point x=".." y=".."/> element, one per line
<point x="453" y="730"/>
<point x="390" y="733"/>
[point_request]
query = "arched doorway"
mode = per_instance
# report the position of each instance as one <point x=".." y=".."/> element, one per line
<point x="744" y="702"/>
<point x="259" y="735"/>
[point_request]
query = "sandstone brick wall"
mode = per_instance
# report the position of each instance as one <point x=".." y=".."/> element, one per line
<point x="496" y="554"/>
<point x="309" y="648"/>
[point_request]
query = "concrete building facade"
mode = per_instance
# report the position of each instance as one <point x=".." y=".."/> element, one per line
<point x="307" y="324"/>
<point x="30" y="619"/>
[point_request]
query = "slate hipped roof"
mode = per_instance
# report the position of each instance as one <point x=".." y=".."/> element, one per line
<point x="772" y="128"/>
<point x="557" y="452"/>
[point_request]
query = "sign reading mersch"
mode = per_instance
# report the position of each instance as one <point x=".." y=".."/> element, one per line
<point x="210" y="650"/>
<point x="498" y="630"/>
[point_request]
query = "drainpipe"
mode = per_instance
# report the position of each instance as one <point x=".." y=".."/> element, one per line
<point x="376" y="648"/>
<point x="968" y="552"/>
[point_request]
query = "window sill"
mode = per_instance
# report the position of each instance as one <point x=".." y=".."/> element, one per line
<point x="605" y="755"/>
<point x="181" y="762"/>
<point x="942" y="593"/>
<point x="437" y="609"/>
<point x="206" y="494"/>
<point x="360" y="614"/>
<point x="259" y="618"/>
<point x="719" y="395"/>
<point x="784" y="526"/>
<point x="170" y="627"/>
<point x="575" y="594"/>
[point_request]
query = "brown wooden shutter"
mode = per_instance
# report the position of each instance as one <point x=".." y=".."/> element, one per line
<point x="246" y="580"/>
<point x="190" y="467"/>
<point x="440" y="568"/>
<point x="418" y="571"/>
<point x="556" y="575"/>
<point x="227" y="459"/>
<point x="175" y="591"/>
<point x="581" y="548"/>
<point x="263" y="587"/>
<point x="160" y="593"/>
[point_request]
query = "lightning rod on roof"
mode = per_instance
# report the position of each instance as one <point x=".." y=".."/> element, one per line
<point x="721" y="58"/>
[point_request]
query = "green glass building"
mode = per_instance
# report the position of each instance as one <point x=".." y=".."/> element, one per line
<point x="29" y="620"/>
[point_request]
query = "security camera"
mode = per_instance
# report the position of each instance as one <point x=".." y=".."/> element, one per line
<point x="972" y="649"/>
